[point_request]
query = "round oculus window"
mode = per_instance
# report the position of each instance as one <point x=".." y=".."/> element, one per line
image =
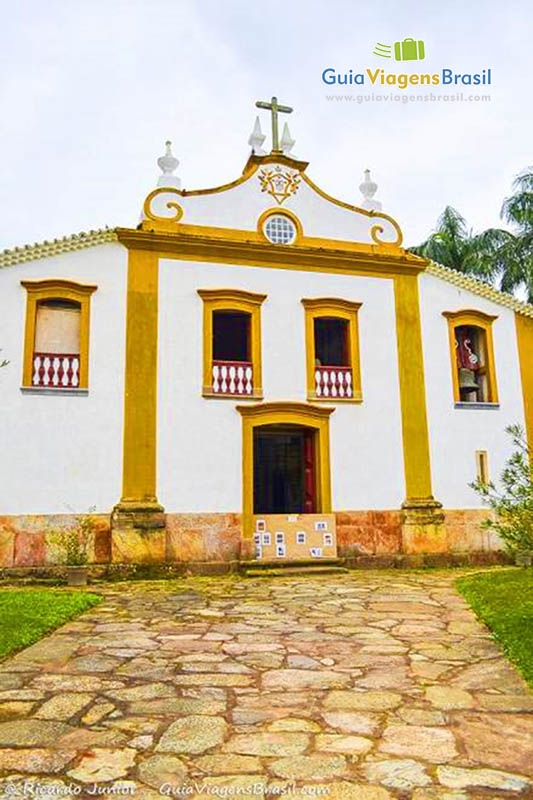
<point x="280" y="229"/>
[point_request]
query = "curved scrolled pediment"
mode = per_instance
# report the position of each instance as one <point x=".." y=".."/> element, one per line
<point x="268" y="182"/>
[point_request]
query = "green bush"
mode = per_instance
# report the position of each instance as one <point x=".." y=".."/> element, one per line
<point x="512" y="502"/>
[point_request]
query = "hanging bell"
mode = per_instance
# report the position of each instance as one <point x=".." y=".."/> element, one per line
<point x="467" y="380"/>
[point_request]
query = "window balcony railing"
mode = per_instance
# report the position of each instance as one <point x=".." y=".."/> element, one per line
<point x="232" y="378"/>
<point x="56" y="370"/>
<point x="334" y="382"/>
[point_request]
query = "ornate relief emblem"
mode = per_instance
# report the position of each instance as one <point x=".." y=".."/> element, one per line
<point x="279" y="183"/>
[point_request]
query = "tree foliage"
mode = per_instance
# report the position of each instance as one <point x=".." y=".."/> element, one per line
<point x="512" y="501"/>
<point x="496" y="255"/>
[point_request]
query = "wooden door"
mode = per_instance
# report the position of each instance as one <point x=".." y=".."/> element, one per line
<point x="309" y="472"/>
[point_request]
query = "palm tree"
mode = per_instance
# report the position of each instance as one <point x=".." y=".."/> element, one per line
<point x="514" y="259"/>
<point x="495" y="255"/>
<point x="454" y="245"/>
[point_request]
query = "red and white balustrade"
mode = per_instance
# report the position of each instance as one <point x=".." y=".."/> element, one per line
<point x="56" y="370"/>
<point x="333" y="382"/>
<point x="232" y="377"/>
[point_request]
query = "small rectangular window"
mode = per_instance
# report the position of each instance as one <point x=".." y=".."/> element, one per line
<point x="331" y="342"/>
<point x="231" y="336"/>
<point x="300" y="537"/>
<point x="332" y="349"/>
<point x="56" y="342"/>
<point x="482" y="466"/>
<point x="232" y="343"/>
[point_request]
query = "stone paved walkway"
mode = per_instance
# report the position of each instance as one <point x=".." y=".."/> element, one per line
<point x="372" y="685"/>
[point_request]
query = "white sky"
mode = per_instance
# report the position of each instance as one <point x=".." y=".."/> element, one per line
<point x="90" y="89"/>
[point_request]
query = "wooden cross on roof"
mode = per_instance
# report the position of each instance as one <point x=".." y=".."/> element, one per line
<point x="275" y="109"/>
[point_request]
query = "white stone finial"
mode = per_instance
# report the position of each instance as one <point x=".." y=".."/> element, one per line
<point x="287" y="143"/>
<point x="256" y="139"/>
<point x="368" y="189"/>
<point x="168" y="164"/>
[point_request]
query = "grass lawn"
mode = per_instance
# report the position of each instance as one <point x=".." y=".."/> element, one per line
<point x="27" y="615"/>
<point x="504" y="601"/>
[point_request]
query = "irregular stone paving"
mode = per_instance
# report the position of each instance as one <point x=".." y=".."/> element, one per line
<point x="367" y="686"/>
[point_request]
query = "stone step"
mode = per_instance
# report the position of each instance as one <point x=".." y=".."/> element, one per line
<point x="288" y="563"/>
<point x="288" y="571"/>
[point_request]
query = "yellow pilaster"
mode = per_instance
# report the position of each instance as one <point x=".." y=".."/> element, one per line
<point x="138" y="521"/>
<point x="524" y="332"/>
<point x="140" y="403"/>
<point x="412" y="388"/>
<point x="422" y="517"/>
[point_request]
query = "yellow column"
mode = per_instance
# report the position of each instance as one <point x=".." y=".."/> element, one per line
<point x="138" y="512"/>
<point x="524" y="332"/>
<point x="423" y="529"/>
<point x="140" y="397"/>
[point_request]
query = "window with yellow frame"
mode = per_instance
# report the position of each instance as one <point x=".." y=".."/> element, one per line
<point x="332" y="350"/>
<point x="472" y="356"/>
<point x="56" y="341"/>
<point x="232" y="344"/>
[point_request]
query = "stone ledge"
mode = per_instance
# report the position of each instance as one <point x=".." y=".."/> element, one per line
<point x="53" y="574"/>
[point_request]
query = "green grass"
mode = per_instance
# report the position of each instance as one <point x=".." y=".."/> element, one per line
<point x="27" y="615"/>
<point x="504" y="601"/>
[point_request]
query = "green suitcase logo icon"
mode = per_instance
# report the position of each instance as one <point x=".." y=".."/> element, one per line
<point x="409" y="50"/>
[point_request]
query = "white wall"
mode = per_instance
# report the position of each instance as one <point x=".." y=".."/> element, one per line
<point x="199" y="439"/>
<point x="61" y="453"/>
<point x="456" y="433"/>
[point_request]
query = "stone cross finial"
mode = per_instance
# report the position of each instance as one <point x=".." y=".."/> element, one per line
<point x="275" y="109"/>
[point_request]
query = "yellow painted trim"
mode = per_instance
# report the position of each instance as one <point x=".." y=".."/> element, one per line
<point x="232" y="300"/>
<point x="415" y="434"/>
<point x="280" y="213"/>
<point x="56" y="289"/>
<point x="477" y="319"/>
<point x="342" y="309"/>
<point x="164" y="223"/>
<point x="254" y="162"/>
<point x="140" y="395"/>
<point x="482" y="466"/>
<point x="376" y="229"/>
<point x="249" y="248"/>
<point x="524" y="333"/>
<point x="284" y="413"/>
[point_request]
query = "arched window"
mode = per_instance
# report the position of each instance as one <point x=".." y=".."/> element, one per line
<point x="56" y="352"/>
<point x="472" y="356"/>
<point x="56" y="349"/>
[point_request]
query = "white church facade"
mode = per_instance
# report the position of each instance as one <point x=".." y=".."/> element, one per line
<point x="256" y="371"/>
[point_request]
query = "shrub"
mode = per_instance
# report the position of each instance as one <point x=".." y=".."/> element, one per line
<point x="74" y="543"/>
<point x="512" y="502"/>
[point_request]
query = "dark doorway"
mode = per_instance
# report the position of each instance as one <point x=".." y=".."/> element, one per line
<point x="231" y="336"/>
<point x="284" y="470"/>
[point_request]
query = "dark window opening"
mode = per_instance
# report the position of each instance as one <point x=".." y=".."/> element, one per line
<point x="284" y="470"/>
<point x="331" y="342"/>
<point x="231" y="336"/>
<point x="69" y="305"/>
<point x="471" y="353"/>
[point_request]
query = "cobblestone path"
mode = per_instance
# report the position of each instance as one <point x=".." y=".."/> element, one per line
<point x="359" y="687"/>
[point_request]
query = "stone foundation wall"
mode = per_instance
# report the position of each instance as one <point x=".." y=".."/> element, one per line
<point x="31" y="541"/>
<point x="368" y="533"/>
